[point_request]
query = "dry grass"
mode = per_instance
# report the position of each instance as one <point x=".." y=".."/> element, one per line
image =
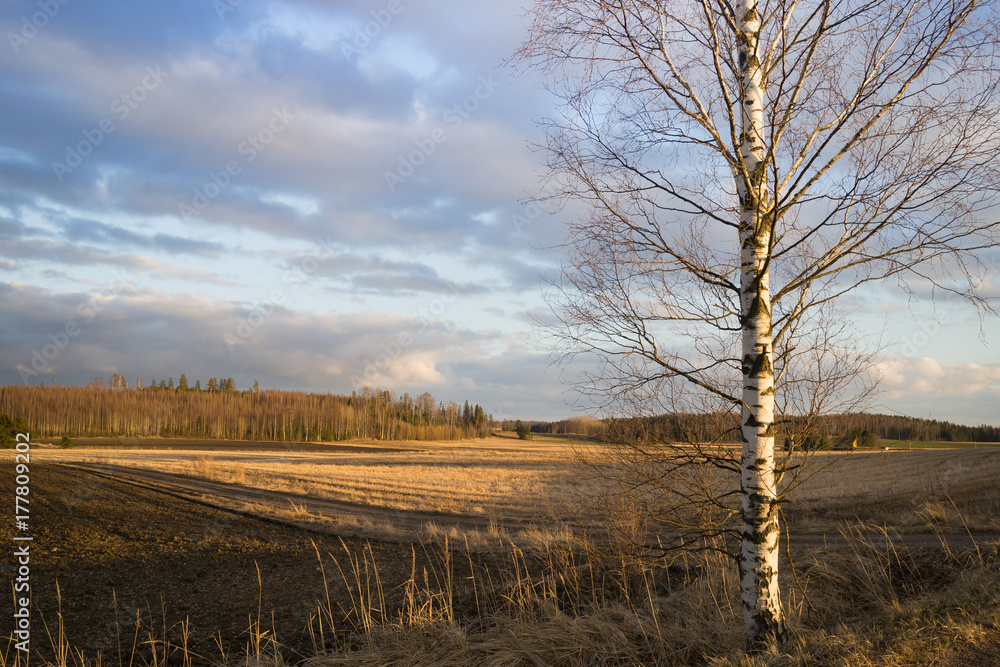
<point x="872" y="604"/>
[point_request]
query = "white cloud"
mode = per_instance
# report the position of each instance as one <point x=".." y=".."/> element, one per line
<point x="904" y="376"/>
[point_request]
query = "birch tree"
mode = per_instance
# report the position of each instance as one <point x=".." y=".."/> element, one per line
<point x="744" y="165"/>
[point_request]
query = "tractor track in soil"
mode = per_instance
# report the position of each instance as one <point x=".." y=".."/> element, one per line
<point x="223" y="495"/>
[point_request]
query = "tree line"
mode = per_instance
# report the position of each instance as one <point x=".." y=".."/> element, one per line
<point x="896" y="427"/>
<point x="816" y="433"/>
<point x="109" y="409"/>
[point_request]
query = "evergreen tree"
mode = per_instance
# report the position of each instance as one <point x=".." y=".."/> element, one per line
<point x="182" y="384"/>
<point x="9" y="428"/>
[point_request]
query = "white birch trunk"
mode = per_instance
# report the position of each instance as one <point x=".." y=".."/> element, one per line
<point x="758" y="560"/>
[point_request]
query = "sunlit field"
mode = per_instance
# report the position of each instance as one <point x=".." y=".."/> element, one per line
<point x="473" y="477"/>
<point x="553" y="480"/>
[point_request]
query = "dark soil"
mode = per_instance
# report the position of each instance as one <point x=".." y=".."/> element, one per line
<point x="122" y="555"/>
<point x="985" y="654"/>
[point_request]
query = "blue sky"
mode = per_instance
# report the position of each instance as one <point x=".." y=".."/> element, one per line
<point x="313" y="195"/>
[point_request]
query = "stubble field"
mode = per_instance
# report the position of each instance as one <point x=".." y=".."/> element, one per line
<point x="548" y="483"/>
<point x="449" y="535"/>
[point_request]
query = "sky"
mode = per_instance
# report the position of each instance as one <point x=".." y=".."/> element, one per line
<point x="319" y="195"/>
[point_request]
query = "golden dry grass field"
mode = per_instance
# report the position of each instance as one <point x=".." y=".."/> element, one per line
<point x="494" y="481"/>
<point x="546" y="481"/>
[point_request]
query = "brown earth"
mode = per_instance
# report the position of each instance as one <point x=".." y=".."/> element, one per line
<point x="118" y="552"/>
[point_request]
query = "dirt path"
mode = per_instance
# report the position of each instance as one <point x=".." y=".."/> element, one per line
<point x="225" y="495"/>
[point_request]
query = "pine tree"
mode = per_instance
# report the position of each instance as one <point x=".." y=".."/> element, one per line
<point x="182" y="384"/>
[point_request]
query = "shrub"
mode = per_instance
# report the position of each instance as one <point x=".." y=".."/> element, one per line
<point x="66" y="442"/>
<point x="856" y="438"/>
<point x="813" y="442"/>
<point x="523" y="430"/>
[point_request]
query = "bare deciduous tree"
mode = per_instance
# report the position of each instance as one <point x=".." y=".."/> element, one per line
<point x="745" y="164"/>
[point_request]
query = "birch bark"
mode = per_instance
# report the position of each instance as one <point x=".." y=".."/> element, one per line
<point x="758" y="559"/>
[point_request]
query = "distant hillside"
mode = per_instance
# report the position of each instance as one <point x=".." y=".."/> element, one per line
<point x="227" y="413"/>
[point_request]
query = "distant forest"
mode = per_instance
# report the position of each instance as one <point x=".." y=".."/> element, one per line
<point x="894" y="427"/>
<point x="113" y="408"/>
<point x="866" y="428"/>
